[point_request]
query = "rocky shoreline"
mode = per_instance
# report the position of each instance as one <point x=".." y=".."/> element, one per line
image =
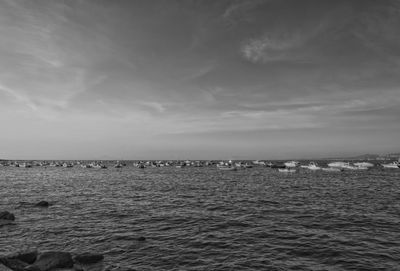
<point x="51" y="261"/>
<point x="47" y="260"/>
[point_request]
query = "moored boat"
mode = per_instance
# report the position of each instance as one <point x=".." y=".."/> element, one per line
<point x="332" y="169"/>
<point x="311" y="166"/>
<point x="287" y="170"/>
<point x="363" y="164"/>
<point x="291" y="164"/>
<point x="339" y="164"/>
<point x="394" y="164"/>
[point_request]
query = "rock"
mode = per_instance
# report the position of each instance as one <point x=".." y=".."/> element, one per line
<point x="141" y="239"/>
<point x="4" y="268"/>
<point x="51" y="260"/>
<point x="88" y="258"/>
<point x="28" y="257"/>
<point x="14" y="264"/>
<point x="5" y="215"/>
<point x="42" y="203"/>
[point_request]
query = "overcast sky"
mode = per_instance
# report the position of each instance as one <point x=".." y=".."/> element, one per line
<point x="101" y="79"/>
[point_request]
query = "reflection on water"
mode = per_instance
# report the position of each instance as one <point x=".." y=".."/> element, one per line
<point x="205" y="219"/>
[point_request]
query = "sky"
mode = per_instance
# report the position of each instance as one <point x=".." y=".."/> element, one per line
<point x="147" y="79"/>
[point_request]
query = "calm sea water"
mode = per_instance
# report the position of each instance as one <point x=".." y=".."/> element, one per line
<point x="205" y="219"/>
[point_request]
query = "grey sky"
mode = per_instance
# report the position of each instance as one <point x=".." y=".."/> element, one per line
<point x="198" y="79"/>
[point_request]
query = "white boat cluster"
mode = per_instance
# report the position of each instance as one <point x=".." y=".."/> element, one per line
<point x="288" y="166"/>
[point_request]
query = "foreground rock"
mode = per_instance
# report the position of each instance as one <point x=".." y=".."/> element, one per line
<point x="28" y="257"/>
<point x="5" y="215"/>
<point x="51" y="260"/>
<point x="14" y="264"/>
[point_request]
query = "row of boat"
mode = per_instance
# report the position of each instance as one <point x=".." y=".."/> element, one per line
<point x="336" y="166"/>
<point x="289" y="166"/>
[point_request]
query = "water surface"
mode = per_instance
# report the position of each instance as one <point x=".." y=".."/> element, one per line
<point x="205" y="219"/>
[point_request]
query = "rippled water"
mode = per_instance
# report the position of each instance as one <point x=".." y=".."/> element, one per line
<point x="205" y="219"/>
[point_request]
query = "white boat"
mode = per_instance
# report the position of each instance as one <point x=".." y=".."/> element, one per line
<point x="226" y="167"/>
<point x="311" y="166"/>
<point x="26" y="165"/>
<point x="291" y="164"/>
<point x="257" y="162"/>
<point x="287" y="170"/>
<point x="339" y="164"/>
<point x="332" y="169"/>
<point x="363" y="164"/>
<point x="353" y="167"/>
<point x="394" y="164"/>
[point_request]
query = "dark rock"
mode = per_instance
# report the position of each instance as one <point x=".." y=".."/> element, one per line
<point x="4" y="268"/>
<point x="28" y="257"/>
<point x="53" y="259"/>
<point x="7" y="215"/>
<point x="88" y="258"/>
<point x="14" y="264"/>
<point x="141" y="239"/>
<point x="42" y="203"/>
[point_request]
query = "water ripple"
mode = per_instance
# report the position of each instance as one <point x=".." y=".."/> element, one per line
<point x="205" y="219"/>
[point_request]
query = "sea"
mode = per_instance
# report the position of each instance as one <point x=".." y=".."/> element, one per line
<point x="202" y="218"/>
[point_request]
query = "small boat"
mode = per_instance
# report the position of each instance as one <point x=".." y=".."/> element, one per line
<point x="339" y="164"/>
<point x="332" y="169"/>
<point x="287" y="170"/>
<point x="394" y="164"/>
<point x="226" y="167"/>
<point x="25" y="165"/>
<point x="363" y="164"/>
<point x="311" y="166"/>
<point x="291" y="164"/>
<point x="352" y="167"/>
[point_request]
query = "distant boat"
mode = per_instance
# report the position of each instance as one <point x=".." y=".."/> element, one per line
<point x="332" y="169"/>
<point x="257" y="162"/>
<point x="394" y="164"/>
<point x="226" y="167"/>
<point x="363" y="164"/>
<point x="25" y="165"/>
<point x="339" y="164"/>
<point x="311" y="166"/>
<point x="287" y="170"/>
<point x="291" y="164"/>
